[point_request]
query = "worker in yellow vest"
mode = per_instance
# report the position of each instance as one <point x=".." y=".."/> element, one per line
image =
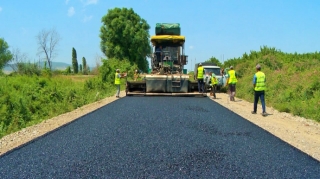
<point x="231" y="82"/>
<point x="117" y="81"/>
<point x="259" y="84"/>
<point x="200" y="74"/>
<point x="135" y="75"/>
<point x="213" y="84"/>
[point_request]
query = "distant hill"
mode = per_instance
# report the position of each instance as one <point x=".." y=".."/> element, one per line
<point x="55" y="66"/>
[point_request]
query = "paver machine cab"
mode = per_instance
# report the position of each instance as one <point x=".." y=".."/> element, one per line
<point x="166" y="76"/>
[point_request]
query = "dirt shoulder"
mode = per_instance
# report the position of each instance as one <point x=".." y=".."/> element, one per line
<point x="301" y="133"/>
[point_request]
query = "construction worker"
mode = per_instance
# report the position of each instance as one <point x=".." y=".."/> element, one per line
<point x="222" y="72"/>
<point x="200" y="74"/>
<point x="117" y="81"/>
<point x="159" y="55"/>
<point x="231" y="82"/>
<point x="135" y="75"/>
<point x="214" y="82"/>
<point x="259" y="84"/>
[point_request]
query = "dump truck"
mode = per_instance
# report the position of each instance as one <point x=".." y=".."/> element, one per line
<point x="167" y="75"/>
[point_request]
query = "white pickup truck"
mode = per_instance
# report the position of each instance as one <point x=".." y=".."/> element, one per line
<point x="212" y="67"/>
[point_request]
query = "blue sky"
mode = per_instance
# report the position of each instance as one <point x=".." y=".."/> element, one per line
<point x="213" y="28"/>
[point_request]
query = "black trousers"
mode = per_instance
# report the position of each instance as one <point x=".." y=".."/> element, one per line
<point x="257" y="95"/>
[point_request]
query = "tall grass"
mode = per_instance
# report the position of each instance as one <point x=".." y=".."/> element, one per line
<point x="293" y="80"/>
<point x="28" y="100"/>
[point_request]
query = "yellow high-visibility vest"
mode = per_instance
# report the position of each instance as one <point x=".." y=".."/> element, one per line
<point x="200" y="72"/>
<point x="117" y="79"/>
<point x="214" y="81"/>
<point x="232" y="77"/>
<point x="260" y="83"/>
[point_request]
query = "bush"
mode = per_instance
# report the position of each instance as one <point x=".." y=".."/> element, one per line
<point x="27" y="100"/>
<point x="108" y="69"/>
<point x="293" y="80"/>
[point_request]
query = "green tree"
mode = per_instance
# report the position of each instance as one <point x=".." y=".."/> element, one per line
<point x="68" y="70"/>
<point x="84" y="65"/>
<point x="108" y="69"/>
<point x="125" y="35"/>
<point x="215" y="60"/>
<point x="74" y="61"/>
<point x="5" y="54"/>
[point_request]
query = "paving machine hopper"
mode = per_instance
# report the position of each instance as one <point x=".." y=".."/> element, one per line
<point x="167" y="75"/>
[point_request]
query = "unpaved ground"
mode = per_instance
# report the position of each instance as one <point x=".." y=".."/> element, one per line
<point x="302" y="133"/>
<point x="299" y="132"/>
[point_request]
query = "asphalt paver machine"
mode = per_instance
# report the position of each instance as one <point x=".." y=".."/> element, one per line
<point x="167" y="75"/>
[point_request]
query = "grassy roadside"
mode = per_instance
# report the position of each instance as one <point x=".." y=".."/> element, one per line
<point x="26" y="100"/>
<point x="293" y="80"/>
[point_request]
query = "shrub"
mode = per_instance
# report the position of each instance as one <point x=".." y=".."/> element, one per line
<point x="27" y="100"/>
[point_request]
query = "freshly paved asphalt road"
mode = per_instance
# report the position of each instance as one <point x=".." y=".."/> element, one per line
<point x="159" y="137"/>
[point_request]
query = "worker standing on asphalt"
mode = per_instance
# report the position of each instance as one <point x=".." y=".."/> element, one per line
<point x="200" y="75"/>
<point x="213" y="84"/>
<point x="259" y="84"/>
<point x="117" y="81"/>
<point x="231" y="82"/>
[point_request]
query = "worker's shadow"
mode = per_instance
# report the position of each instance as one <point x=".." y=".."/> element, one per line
<point x="268" y="114"/>
<point x="237" y="100"/>
<point x="214" y="98"/>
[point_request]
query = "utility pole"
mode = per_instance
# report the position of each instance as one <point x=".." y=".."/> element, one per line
<point x="191" y="65"/>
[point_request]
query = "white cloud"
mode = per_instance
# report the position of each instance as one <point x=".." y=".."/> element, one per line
<point x="191" y="47"/>
<point x="71" y="11"/>
<point x="67" y="1"/>
<point x="0" y="9"/>
<point x="87" y="18"/>
<point x="88" y="2"/>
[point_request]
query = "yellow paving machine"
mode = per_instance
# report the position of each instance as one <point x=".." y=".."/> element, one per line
<point x="167" y="75"/>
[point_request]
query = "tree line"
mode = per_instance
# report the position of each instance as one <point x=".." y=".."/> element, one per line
<point x="124" y="37"/>
<point x="19" y="63"/>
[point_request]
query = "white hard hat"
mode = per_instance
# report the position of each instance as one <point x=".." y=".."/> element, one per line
<point x="258" y="66"/>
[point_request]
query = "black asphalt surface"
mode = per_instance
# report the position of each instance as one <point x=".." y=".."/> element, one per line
<point x="159" y="137"/>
